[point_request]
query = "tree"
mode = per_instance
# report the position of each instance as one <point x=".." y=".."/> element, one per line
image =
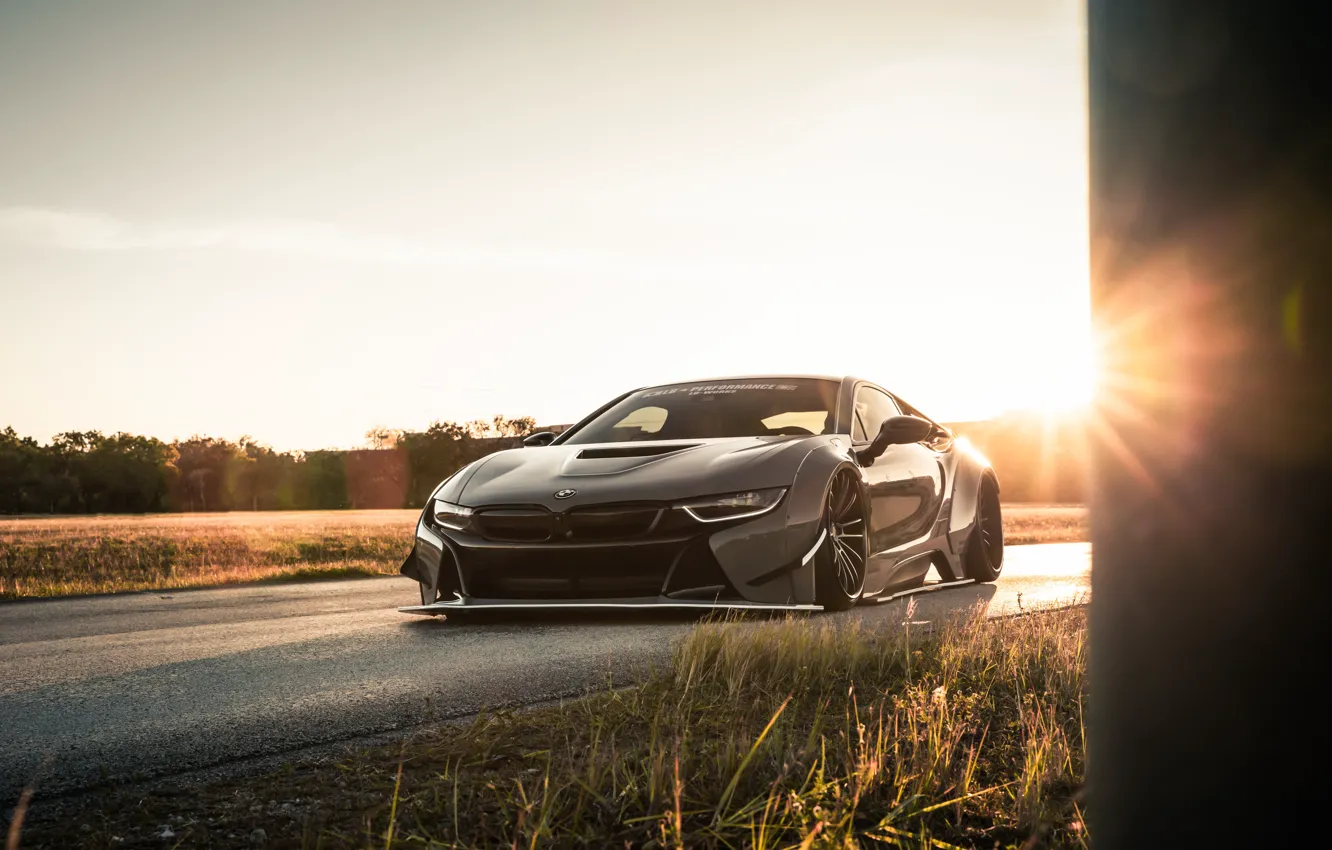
<point x="207" y="473"/>
<point x="28" y="480"/>
<point x="516" y="427"/>
<point x="262" y="478"/>
<point x="323" y="481"/>
<point x="380" y="437"/>
<point x="126" y="473"/>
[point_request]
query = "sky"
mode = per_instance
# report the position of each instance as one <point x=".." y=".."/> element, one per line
<point x="301" y="220"/>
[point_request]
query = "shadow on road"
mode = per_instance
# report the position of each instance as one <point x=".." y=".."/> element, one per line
<point x="927" y="606"/>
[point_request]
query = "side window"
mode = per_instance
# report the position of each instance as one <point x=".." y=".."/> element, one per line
<point x="872" y="408"/>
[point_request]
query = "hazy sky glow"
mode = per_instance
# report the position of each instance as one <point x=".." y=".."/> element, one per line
<point x="301" y="220"/>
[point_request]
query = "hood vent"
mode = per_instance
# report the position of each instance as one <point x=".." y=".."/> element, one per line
<point x="632" y="451"/>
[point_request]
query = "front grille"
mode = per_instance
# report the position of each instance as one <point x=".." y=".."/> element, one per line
<point x="611" y="522"/>
<point x="592" y="524"/>
<point x="515" y="525"/>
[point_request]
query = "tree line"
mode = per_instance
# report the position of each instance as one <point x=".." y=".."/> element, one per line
<point x="90" y="472"/>
<point x="83" y="472"/>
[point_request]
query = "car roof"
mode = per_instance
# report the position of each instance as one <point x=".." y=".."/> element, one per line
<point x="781" y="376"/>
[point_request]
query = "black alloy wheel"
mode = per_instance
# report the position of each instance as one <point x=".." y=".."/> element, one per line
<point x="839" y="564"/>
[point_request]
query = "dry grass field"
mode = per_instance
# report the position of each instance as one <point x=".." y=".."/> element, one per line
<point x="59" y="556"/>
<point x="70" y="555"/>
<point x="1025" y="524"/>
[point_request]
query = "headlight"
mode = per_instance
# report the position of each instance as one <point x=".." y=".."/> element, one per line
<point x="452" y="516"/>
<point x="734" y="505"/>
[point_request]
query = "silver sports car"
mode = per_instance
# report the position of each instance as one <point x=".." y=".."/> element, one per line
<point x="791" y="492"/>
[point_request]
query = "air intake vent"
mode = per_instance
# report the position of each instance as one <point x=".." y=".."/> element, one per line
<point x="631" y="451"/>
<point x="697" y="575"/>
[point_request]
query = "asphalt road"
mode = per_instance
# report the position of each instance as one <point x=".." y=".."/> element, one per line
<point x="147" y="685"/>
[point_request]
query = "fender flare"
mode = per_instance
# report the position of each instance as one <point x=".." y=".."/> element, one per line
<point x="972" y="469"/>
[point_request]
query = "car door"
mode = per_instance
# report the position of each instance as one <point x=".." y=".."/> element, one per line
<point x="905" y="493"/>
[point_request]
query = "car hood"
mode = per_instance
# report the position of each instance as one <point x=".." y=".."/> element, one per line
<point x="622" y="472"/>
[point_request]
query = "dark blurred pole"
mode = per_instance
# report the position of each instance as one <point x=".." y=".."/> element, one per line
<point x="1212" y="493"/>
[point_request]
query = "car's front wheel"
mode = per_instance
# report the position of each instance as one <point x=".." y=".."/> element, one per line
<point x="839" y="562"/>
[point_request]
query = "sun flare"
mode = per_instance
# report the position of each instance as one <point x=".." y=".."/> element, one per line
<point x="1070" y="386"/>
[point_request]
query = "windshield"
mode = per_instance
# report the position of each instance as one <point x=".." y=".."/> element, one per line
<point x="710" y="409"/>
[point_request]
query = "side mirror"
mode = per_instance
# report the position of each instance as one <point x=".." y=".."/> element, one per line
<point x="896" y="431"/>
<point x="540" y="438"/>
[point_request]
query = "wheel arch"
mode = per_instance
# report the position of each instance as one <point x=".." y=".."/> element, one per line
<point x="973" y="468"/>
<point x="804" y="511"/>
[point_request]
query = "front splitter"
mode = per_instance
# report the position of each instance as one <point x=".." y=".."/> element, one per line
<point x="585" y="604"/>
<point x="650" y="604"/>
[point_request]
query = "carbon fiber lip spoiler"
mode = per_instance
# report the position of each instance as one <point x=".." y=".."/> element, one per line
<point x="647" y="604"/>
<point x="609" y="604"/>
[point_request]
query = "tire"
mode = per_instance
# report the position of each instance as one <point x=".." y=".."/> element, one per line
<point x="984" y="556"/>
<point x="839" y="563"/>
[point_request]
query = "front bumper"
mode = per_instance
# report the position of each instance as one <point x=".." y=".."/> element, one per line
<point x="747" y="565"/>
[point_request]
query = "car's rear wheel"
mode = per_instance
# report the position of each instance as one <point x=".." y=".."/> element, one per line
<point x="839" y="563"/>
<point x="984" y="556"/>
